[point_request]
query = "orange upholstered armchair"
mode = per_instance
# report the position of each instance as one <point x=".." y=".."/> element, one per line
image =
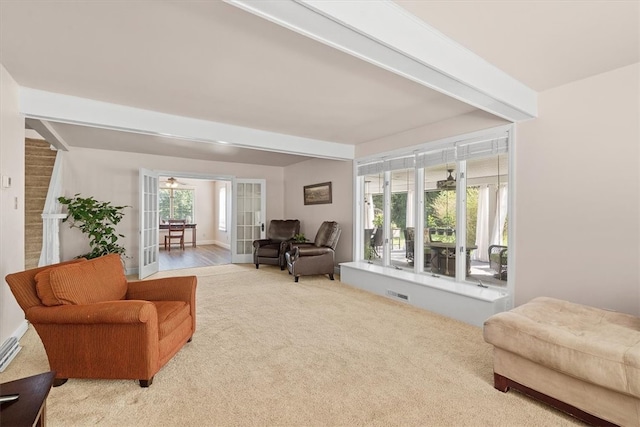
<point x="95" y="324"/>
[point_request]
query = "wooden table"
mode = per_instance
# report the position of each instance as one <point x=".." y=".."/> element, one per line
<point x="191" y="226"/>
<point x="30" y="408"/>
<point x="443" y="253"/>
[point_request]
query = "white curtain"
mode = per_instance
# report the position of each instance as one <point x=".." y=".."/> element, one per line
<point x="482" y="226"/>
<point x="369" y="212"/>
<point x="410" y="209"/>
<point x="51" y="217"/>
<point x="500" y="216"/>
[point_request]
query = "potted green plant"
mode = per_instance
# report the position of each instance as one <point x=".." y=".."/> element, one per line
<point x="299" y="238"/>
<point x="97" y="220"/>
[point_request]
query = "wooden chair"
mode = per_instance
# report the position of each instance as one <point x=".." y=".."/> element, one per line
<point x="176" y="232"/>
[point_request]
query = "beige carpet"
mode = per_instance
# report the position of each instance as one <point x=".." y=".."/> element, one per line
<point x="271" y="352"/>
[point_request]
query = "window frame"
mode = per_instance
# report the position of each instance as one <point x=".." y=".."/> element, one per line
<point x="222" y="208"/>
<point x="419" y="201"/>
<point x="171" y="204"/>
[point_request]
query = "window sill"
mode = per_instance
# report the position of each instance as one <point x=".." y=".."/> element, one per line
<point x="463" y="301"/>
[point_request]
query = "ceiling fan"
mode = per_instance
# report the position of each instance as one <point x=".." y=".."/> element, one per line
<point x="447" y="184"/>
<point x="171" y="182"/>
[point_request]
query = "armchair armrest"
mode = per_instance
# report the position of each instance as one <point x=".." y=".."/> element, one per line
<point x="291" y="244"/>
<point x="261" y="242"/>
<point x="298" y="250"/>
<point x="313" y="250"/>
<point x="285" y="245"/>
<point x="164" y="289"/>
<point x="109" y="312"/>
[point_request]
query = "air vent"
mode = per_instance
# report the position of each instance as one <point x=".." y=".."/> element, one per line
<point x="397" y="295"/>
<point x="8" y="351"/>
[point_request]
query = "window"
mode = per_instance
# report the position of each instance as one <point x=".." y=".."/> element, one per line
<point x="177" y="203"/>
<point x="222" y="209"/>
<point x="442" y="210"/>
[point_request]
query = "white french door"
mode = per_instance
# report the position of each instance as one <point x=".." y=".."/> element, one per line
<point x="149" y="227"/>
<point x="249" y="207"/>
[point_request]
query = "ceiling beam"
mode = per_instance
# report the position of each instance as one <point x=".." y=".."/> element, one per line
<point x="47" y="132"/>
<point x="386" y="35"/>
<point x="54" y="107"/>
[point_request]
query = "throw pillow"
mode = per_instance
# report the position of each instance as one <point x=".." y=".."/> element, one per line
<point x="43" y="283"/>
<point x="96" y="280"/>
<point x="43" y="288"/>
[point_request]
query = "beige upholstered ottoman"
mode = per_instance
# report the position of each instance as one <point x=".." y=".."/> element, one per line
<point x="579" y="359"/>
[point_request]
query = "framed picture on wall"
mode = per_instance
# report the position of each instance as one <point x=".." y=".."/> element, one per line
<point x="317" y="194"/>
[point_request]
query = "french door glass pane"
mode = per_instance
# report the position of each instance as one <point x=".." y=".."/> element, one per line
<point x="373" y="217"/>
<point x="249" y="216"/>
<point x="402" y="217"/>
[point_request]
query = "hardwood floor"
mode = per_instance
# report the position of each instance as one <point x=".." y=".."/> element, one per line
<point x="200" y="256"/>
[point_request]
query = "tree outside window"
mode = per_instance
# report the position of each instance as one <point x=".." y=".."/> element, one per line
<point x="177" y="203"/>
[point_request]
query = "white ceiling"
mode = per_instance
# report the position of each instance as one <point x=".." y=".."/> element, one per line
<point x="542" y="43"/>
<point x="89" y="137"/>
<point x="213" y="61"/>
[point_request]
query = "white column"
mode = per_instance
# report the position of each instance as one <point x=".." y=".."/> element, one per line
<point x="50" y="253"/>
<point x="51" y="217"/>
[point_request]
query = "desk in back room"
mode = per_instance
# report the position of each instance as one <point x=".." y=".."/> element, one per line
<point x="191" y="226"/>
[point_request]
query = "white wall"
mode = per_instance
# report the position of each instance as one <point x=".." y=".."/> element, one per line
<point x="220" y="237"/>
<point x="465" y="123"/>
<point x="340" y="174"/>
<point x="578" y="194"/>
<point x="113" y="176"/>
<point x="11" y="201"/>
<point x="206" y="203"/>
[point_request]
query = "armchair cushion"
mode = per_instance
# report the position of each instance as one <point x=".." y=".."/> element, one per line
<point x="281" y="230"/>
<point x="43" y="288"/>
<point x="170" y="315"/>
<point x="327" y="234"/>
<point x="96" y="280"/>
<point x="44" y="291"/>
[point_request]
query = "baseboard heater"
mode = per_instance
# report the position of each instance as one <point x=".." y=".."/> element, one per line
<point x="397" y="295"/>
<point x="8" y="351"/>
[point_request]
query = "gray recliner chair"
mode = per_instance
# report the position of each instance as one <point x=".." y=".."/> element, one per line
<point x="304" y="259"/>
<point x="272" y="249"/>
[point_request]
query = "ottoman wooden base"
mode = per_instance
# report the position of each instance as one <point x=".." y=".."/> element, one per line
<point x="504" y="384"/>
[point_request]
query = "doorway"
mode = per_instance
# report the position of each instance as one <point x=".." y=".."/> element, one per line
<point x="203" y="204"/>
<point x="233" y="226"/>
